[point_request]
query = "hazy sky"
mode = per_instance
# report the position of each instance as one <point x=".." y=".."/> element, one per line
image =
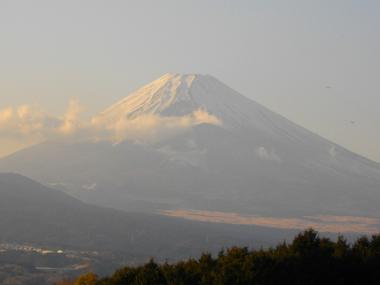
<point x="315" y="62"/>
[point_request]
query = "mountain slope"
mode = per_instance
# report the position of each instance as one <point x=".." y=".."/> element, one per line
<point x="249" y="161"/>
<point x="33" y="214"/>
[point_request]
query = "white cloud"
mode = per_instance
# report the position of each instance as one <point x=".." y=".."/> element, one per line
<point x="31" y="125"/>
<point x="5" y="116"/>
<point x="150" y="128"/>
<point x="26" y="121"/>
<point x="71" y="119"/>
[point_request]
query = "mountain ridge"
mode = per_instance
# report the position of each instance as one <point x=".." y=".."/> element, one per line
<point x="32" y="213"/>
<point x="175" y="94"/>
<point x="153" y="99"/>
<point x="253" y="162"/>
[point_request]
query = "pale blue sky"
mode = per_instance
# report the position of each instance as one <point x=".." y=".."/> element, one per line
<point x="282" y="54"/>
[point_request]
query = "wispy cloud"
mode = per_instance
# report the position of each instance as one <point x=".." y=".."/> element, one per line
<point x="150" y="128"/>
<point x="30" y="124"/>
<point x="71" y="120"/>
<point x="25" y="121"/>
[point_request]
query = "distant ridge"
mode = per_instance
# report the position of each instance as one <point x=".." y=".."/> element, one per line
<point x="31" y="213"/>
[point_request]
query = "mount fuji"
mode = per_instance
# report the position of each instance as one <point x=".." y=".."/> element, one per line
<point x="209" y="148"/>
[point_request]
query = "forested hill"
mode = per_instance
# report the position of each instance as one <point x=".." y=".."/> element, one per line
<point x="308" y="259"/>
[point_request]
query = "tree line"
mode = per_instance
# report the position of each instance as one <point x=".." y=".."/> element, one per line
<point x="308" y="259"/>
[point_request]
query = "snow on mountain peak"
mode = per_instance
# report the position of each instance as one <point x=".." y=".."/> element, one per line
<point x="178" y="95"/>
<point x="166" y="96"/>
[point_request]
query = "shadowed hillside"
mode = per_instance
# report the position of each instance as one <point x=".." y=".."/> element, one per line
<point x="46" y="234"/>
<point x="33" y="213"/>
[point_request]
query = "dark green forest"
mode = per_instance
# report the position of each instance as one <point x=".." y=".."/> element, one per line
<point x="308" y="259"/>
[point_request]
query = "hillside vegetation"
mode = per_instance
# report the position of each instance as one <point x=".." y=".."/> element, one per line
<point x="308" y="259"/>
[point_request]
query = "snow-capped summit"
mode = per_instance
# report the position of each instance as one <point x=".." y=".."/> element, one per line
<point x="176" y="94"/>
